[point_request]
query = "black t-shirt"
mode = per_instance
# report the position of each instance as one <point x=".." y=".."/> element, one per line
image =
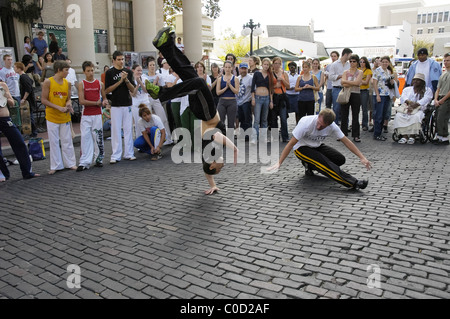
<point x="120" y="96"/>
<point x="209" y="159"/>
<point x="26" y="85"/>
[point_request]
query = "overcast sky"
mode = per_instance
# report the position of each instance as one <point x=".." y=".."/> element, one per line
<point x="325" y="13"/>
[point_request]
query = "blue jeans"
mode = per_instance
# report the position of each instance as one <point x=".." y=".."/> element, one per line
<point x="365" y="108"/>
<point x="245" y="115"/>
<point x="261" y="112"/>
<point x="336" y="105"/>
<point x="380" y="111"/>
<point x="18" y="146"/>
<point x="142" y="145"/>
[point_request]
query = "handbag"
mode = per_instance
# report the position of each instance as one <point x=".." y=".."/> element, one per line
<point x="344" y="96"/>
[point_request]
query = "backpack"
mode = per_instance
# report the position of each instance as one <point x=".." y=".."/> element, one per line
<point x="36" y="149"/>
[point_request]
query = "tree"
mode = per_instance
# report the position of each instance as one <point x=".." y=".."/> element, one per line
<point x="211" y="8"/>
<point x="421" y="43"/>
<point x="238" y="46"/>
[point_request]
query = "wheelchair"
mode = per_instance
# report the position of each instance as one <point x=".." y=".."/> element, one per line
<point x="428" y="130"/>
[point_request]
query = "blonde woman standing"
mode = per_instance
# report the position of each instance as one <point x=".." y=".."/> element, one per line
<point x="262" y="98"/>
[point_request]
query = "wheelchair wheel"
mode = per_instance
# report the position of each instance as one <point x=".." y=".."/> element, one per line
<point x="395" y="136"/>
<point x="432" y="127"/>
<point x="423" y="138"/>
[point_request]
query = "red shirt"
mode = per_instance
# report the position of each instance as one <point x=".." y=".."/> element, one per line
<point x="92" y="93"/>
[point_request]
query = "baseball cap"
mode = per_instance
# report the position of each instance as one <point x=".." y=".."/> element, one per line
<point x="423" y="51"/>
<point x="243" y="65"/>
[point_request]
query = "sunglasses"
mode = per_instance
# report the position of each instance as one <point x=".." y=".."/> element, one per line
<point x="353" y="61"/>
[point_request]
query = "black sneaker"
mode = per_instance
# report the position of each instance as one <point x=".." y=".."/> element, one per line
<point x="164" y="35"/>
<point x="361" y="185"/>
<point x="99" y="164"/>
<point x="440" y="142"/>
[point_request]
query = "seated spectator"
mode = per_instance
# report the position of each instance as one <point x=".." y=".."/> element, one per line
<point x="146" y="123"/>
<point x="59" y="56"/>
<point x="414" y="101"/>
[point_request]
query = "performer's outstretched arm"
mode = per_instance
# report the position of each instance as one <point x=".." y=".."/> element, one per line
<point x="287" y="150"/>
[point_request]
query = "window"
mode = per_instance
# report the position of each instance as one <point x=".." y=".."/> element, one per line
<point x="123" y="25"/>
<point x="446" y="14"/>
<point x="430" y="30"/>
<point x="441" y="17"/>
<point x="435" y="15"/>
<point x="441" y="30"/>
<point x="429" y="18"/>
<point x="419" y="31"/>
<point x="419" y="19"/>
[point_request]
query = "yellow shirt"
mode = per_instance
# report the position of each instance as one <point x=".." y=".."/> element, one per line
<point x="58" y="94"/>
<point x="367" y="72"/>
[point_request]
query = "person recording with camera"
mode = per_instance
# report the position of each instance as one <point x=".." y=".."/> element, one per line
<point x="383" y="83"/>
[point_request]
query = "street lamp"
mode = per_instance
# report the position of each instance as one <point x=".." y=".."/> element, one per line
<point x="251" y="29"/>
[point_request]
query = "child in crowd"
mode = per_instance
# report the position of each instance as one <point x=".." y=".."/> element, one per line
<point x="147" y="124"/>
<point x="56" y="98"/>
<point x="91" y="92"/>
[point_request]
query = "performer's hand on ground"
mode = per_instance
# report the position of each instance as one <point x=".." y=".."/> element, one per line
<point x="367" y="164"/>
<point x="212" y="191"/>
<point x="275" y="167"/>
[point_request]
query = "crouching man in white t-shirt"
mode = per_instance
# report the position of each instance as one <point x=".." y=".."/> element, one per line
<point x="307" y="141"/>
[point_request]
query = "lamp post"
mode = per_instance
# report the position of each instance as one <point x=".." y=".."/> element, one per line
<point x="252" y="29"/>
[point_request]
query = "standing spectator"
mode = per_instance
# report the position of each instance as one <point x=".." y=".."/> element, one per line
<point x="27" y="45"/>
<point x="430" y="68"/>
<point x="53" y="46"/>
<point x="262" y="99"/>
<point x="119" y="82"/>
<point x="280" y="82"/>
<point x="91" y="92"/>
<point x="352" y="79"/>
<point x="254" y="64"/>
<point x="27" y="94"/>
<point x="155" y="104"/>
<point x="48" y="70"/>
<point x="329" y="96"/>
<point x="180" y="45"/>
<point x="56" y="98"/>
<point x="335" y="75"/>
<point x="375" y="65"/>
<point x="232" y="58"/>
<point x="365" y="96"/>
<point x="40" y="44"/>
<point x="306" y="85"/>
<point x="215" y="77"/>
<point x="59" y="56"/>
<point x="316" y="70"/>
<point x="227" y="90"/>
<point x="244" y="98"/>
<point x="10" y="77"/>
<point x="14" y="137"/>
<point x="383" y="81"/>
<point x="442" y="102"/>
<point x="140" y="96"/>
<point x="291" y="93"/>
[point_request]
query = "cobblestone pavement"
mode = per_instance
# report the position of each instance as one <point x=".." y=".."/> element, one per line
<point x="145" y="230"/>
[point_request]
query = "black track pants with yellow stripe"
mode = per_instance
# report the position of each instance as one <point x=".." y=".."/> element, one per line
<point x="327" y="161"/>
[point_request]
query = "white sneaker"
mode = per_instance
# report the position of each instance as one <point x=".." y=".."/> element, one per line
<point x="411" y="141"/>
<point x="403" y="141"/>
<point x="131" y="158"/>
<point x="113" y="161"/>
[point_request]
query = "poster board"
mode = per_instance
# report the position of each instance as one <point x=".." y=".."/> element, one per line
<point x="100" y="36"/>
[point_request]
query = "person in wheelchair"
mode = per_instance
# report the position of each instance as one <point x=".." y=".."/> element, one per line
<point x="409" y="117"/>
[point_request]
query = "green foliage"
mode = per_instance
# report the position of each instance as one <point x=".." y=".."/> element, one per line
<point x="419" y="44"/>
<point x="238" y="46"/>
<point x="174" y="7"/>
<point x="23" y="10"/>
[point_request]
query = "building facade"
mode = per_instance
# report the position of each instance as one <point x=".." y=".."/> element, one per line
<point x="94" y="29"/>
<point x="428" y="23"/>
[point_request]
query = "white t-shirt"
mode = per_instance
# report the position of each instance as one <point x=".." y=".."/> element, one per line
<point x="141" y="96"/>
<point x="11" y="78"/>
<point x="424" y="68"/>
<point x="143" y="125"/>
<point x="245" y="89"/>
<point x="307" y="134"/>
<point x="292" y="83"/>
